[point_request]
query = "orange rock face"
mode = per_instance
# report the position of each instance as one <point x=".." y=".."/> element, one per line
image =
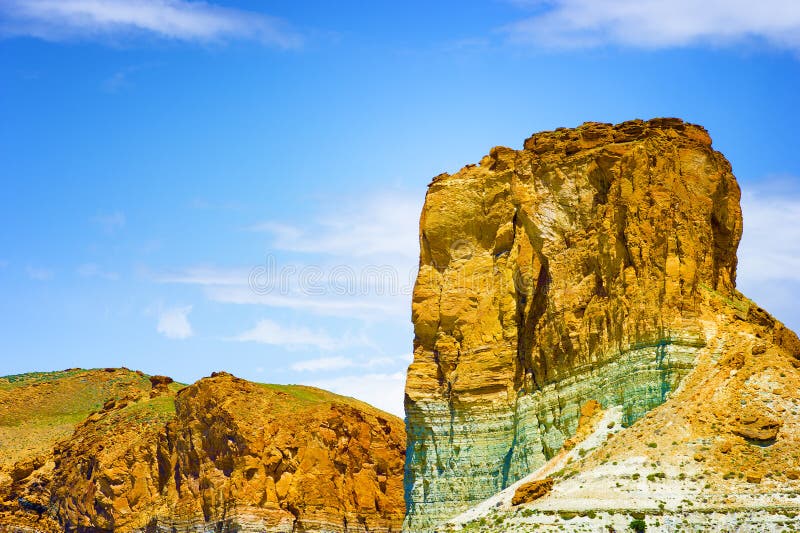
<point x="223" y="453"/>
<point x="596" y="263"/>
<point x="533" y="490"/>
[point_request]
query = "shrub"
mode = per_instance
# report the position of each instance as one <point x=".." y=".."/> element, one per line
<point x="638" y="525"/>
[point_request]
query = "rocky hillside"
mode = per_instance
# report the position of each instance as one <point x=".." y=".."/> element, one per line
<point x="116" y="450"/>
<point x="595" y="264"/>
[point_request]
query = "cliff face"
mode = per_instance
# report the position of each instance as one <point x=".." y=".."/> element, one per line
<point x="594" y="264"/>
<point x="222" y="454"/>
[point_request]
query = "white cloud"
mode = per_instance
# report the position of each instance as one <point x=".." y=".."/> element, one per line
<point x="357" y="307"/>
<point x="205" y="275"/>
<point x="323" y="363"/>
<point x="109" y="222"/>
<point x="360" y="263"/>
<point x="383" y="225"/>
<point x="92" y="270"/>
<point x="362" y="293"/>
<point x="770" y="247"/>
<point x="174" y="323"/>
<point x="39" y="273"/>
<point x="659" y="24"/>
<point x="769" y="254"/>
<point x="340" y="363"/>
<point x="294" y="337"/>
<point x="384" y="391"/>
<point x="182" y="20"/>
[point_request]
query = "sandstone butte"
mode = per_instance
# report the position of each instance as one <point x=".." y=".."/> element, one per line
<point x="115" y="450"/>
<point x="575" y="309"/>
<point x="595" y="264"/>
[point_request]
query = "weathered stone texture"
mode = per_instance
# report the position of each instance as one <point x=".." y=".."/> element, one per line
<point x="533" y="490"/>
<point x="223" y="454"/>
<point x="575" y="269"/>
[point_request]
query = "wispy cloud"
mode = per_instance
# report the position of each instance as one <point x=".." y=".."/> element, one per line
<point x="39" y="273"/>
<point x="183" y="20"/>
<point x="121" y="79"/>
<point x="383" y="390"/>
<point x="656" y="24"/>
<point x="367" y="295"/>
<point x="92" y="270"/>
<point x="359" y="262"/>
<point x="770" y="248"/>
<point x="769" y="255"/>
<point x="203" y="275"/>
<point x="340" y="363"/>
<point x="116" y="81"/>
<point x="173" y="323"/>
<point x="295" y="337"/>
<point x="323" y="363"/>
<point x="362" y="308"/>
<point x="382" y="225"/>
<point x="109" y="222"/>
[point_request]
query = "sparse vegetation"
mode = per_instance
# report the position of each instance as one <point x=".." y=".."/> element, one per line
<point x="638" y="525"/>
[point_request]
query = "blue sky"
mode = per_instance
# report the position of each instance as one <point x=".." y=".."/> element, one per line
<point x="166" y="163"/>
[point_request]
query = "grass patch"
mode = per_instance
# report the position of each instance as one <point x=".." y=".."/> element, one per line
<point x="300" y="392"/>
<point x="31" y="378"/>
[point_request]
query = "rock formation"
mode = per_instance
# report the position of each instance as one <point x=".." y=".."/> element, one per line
<point x="533" y="490"/>
<point x="222" y="454"/>
<point x="597" y="263"/>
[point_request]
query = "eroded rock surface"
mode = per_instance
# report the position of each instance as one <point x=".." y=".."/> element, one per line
<point x="594" y="264"/>
<point x="531" y="491"/>
<point x="223" y="454"/>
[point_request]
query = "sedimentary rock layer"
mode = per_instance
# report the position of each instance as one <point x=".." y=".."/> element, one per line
<point x="223" y="454"/>
<point x="578" y="268"/>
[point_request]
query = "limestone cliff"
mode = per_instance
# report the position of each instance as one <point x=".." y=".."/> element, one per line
<point x="594" y="264"/>
<point x="222" y="454"/>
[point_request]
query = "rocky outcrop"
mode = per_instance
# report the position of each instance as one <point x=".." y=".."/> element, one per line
<point x="594" y="264"/>
<point x="38" y="409"/>
<point x="223" y="454"/>
<point x="531" y="491"/>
